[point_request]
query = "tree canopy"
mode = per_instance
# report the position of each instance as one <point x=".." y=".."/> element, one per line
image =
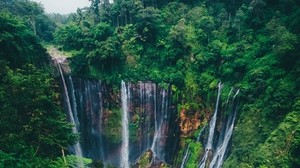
<point x="33" y="126"/>
<point x="250" y="44"/>
<point x="253" y="45"/>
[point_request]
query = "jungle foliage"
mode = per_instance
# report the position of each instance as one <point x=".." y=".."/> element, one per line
<point x="250" y="44"/>
<point x="33" y="126"/>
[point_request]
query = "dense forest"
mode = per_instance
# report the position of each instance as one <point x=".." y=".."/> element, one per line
<point x="252" y="45"/>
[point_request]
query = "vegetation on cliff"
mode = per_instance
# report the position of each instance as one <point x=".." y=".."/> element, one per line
<point x="252" y="45"/>
<point x="33" y="127"/>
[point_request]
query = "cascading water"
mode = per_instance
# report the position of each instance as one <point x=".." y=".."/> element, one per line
<point x="88" y="103"/>
<point x="125" y="130"/>
<point x="215" y="154"/>
<point x="76" y="148"/>
<point x="84" y="107"/>
<point x="101" y="119"/>
<point x="201" y="133"/>
<point x="186" y="157"/>
<point x="212" y="125"/>
<point x="228" y="96"/>
<point x="73" y="100"/>
<point x="147" y="104"/>
<point x="149" y="109"/>
<point x="160" y="123"/>
<point x="219" y="155"/>
<point x="91" y="113"/>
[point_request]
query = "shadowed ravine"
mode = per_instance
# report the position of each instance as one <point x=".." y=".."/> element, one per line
<point x="144" y="106"/>
<point x="144" y="122"/>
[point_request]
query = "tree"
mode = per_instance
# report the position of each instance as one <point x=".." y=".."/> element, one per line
<point x="14" y="36"/>
<point x="173" y="12"/>
<point x="202" y="21"/>
<point x="32" y="14"/>
<point x="69" y="36"/>
<point x="281" y="39"/>
<point x="148" y="21"/>
<point x="106" y="57"/>
<point x="41" y="131"/>
<point x="238" y="22"/>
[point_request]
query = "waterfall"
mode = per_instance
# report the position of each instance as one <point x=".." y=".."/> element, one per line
<point x="186" y="156"/>
<point x="86" y="97"/>
<point x="201" y="133"/>
<point x="83" y="103"/>
<point x="229" y="96"/>
<point x="151" y="104"/>
<point x="160" y="123"/>
<point x="90" y="108"/>
<point x="125" y="128"/>
<point x="219" y="155"/>
<point x="147" y="106"/>
<point x="101" y="119"/>
<point x="70" y="110"/>
<point x="88" y="104"/>
<point x="73" y="100"/>
<point x="212" y="125"/>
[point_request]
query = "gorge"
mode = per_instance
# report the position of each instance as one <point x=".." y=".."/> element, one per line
<point x="150" y="84"/>
<point x="144" y="122"/>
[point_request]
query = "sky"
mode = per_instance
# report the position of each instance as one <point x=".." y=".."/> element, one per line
<point x="63" y="6"/>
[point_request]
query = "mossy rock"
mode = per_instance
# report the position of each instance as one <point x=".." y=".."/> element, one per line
<point x="148" y="160"/>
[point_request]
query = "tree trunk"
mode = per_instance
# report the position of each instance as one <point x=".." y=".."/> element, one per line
<point x="64" y="157"/>
<point x="32" y="22"/>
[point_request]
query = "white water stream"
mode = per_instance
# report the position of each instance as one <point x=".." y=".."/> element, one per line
<point x="125" y="128"/>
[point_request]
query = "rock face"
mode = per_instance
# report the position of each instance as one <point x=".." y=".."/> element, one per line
<point x="148" y="160"/>
<point x="150" y="112"/>
<point x="154" y="128"/>
<point x="97" y="115"/>
<point x="189" y="124"/>
<point x="59" y="58"/>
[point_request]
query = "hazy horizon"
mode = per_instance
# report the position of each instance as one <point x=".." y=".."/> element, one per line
<point x="63" y="7"/>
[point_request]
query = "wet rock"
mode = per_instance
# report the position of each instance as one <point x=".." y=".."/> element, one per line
<point x="148" y="160"/>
